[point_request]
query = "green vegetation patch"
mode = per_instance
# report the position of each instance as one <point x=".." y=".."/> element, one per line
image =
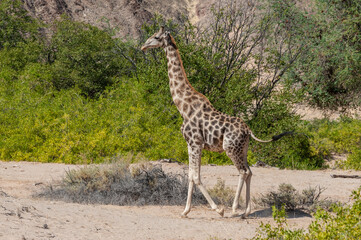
<point x="81" y="96"/>
<point x="342" y="222"/>
<point x="341" y="136"/>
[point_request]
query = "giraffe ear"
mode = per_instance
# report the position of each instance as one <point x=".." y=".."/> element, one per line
<point x="160" y="32"/>
<point x="167" y="36"/>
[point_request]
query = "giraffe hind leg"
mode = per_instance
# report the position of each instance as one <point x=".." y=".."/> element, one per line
<point x="238" y="193"/>
<point x="239" y="158"/>
<point x="248" y="192"/>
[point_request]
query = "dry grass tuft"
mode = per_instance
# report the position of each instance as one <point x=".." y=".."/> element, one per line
<point x="117" y="184"/>
<point x="221" y="194"/>
<point x="287" y="196"/>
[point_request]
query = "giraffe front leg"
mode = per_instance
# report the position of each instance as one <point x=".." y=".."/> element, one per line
<point x="214" y="206"/>
<point x="189" y="199"/>
<point x="195" y="153"/>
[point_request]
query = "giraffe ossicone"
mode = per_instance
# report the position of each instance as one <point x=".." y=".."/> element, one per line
<point x="204" y="127"/>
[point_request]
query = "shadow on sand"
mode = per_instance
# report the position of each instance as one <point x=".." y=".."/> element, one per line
<point x="267" y="212"/>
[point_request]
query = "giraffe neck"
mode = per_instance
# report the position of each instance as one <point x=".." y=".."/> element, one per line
<point x="180" y="88"/>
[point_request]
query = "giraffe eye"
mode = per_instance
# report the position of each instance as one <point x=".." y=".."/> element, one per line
<point x="157" y="38"/>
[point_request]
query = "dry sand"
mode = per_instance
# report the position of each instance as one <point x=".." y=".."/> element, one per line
<point x="23" y="217"/>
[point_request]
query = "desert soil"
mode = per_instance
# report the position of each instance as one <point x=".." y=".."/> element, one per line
<point x="25" y="217"/>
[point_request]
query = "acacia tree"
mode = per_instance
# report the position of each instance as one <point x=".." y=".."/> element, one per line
<point x="330" y="72"/>
<point x="243" y="56"/>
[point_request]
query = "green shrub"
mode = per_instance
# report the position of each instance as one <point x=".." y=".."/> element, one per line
<point x="281" y="230"/>
<point x="65" y="127"/>
<point x="16" y="26"/>
<point x="330" y="34"/>
<point x="353" y="160"/>
<point x="338" y="136"/>
<point x="342" y="135"/>
<point x="84" y="56"/>
<point x="343" y="222"/>
<point x="293" y="151"/>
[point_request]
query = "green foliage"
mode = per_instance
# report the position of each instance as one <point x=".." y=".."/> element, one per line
<point x="20" y="39"/>
<point x="65" y="127"/>
<point x="343" y="222"/>
<point x="281" y="230"/>
<point x="83" y="56"/>
<point x="16" y="26"/>
<point x="353" y="160"/>
<point x="18" y="57"/>
<point x="339" y="136"/>
<point x="330" y="33"/>
<point x="294" y="151"/>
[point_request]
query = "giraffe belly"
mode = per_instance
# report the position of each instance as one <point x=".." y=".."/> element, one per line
<point x="214" y="146"/>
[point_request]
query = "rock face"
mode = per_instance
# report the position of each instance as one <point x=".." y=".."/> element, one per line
<point x="125" y="15"/>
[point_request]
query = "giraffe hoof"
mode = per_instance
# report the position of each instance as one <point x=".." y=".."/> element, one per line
<point x="244" y="216"/>
<point x="220" y="211"/>
<point x="234" y="215"/>
<point x="184" y="215"/>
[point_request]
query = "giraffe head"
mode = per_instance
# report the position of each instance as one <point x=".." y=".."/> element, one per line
<point x="160" y="39"/>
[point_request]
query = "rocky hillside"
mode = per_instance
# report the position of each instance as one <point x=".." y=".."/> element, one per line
<point x="126" y="15"/>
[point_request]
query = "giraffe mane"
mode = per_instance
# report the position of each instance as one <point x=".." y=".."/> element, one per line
<point x="173" y="44"/>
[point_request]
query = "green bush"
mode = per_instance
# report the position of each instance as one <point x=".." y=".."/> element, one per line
<point x="293" y="151"/>
<point x="65" y="127"/>
<point x="16" y="26"/>
<point x="339" y="136"/>
<point x="281" y="230"/>
<point x="343" y="222"/>
<point x="353" y="160"/>
<point x="84" y="56"/>
<point x="329" y="32"/>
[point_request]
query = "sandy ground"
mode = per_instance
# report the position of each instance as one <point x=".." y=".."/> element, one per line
<point x="23" y="217"/>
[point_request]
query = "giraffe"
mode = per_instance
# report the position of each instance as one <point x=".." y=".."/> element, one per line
<point x="204" y="127"/>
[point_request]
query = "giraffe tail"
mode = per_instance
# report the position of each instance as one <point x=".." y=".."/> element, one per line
<point x="274" y="138"/>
